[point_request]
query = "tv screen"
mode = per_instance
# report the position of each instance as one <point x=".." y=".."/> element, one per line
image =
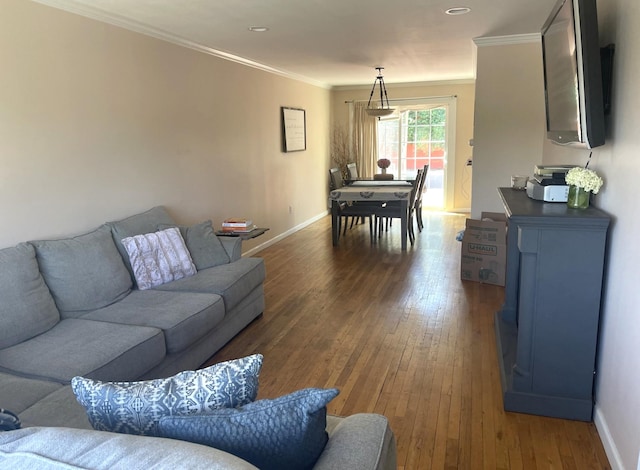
<point x="573" y="75"/>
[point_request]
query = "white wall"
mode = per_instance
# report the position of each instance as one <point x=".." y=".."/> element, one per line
<point x="97" y="123"/>
<point x="509" y="116"/>
<point x="617" y="411"/>
<point x="618" y="161"/>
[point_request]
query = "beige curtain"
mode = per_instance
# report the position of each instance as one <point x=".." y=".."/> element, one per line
<point x="365" y="140"/>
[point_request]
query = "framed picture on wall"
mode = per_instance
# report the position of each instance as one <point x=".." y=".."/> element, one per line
<point x="294" y="131"/>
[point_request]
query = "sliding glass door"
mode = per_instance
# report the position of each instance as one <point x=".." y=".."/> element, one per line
<point x="414" y="136"/>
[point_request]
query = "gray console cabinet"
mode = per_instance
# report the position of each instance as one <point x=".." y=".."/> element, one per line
<point x="547" y="329"/>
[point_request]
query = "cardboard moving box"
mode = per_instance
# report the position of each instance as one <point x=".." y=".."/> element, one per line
<point x="484" y="249"/>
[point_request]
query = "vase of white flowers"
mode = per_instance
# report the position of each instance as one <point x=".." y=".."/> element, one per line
<point x="582" y="182"/>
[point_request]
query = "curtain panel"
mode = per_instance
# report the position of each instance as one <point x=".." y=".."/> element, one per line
<point x="365" y="140"/>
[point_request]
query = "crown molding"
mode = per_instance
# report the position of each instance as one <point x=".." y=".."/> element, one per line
<point x="453" y="82"/>
<point x="115" y="20"/>
<point x="507" y="40"/>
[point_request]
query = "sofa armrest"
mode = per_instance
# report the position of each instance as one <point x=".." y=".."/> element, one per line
<point x="43" y="447"/>
<point x="358" y="442"/>
<point x="233" y="247"/>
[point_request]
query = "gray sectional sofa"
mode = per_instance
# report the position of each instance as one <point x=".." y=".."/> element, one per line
<point x="71" y="307"/>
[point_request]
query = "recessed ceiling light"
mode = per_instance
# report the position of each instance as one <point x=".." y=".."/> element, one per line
<point x="458" y="11"/>
<point x="258" y="29"/>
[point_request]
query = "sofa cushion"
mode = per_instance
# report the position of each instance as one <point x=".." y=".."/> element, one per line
<point x="159" y="257"/>
<point x="287" y="432"/>
<point x="64" y="448"/>
<point x="84" y="272"/>
<point x="145" y="222"/>
<point x="105" y="351"/>
<point x="205" y="247"/>
<point x="233" y="281"/>
<point x="136" y="407"/>
<point x="17" y="393"/>
<point x="59" y="408"/>
<point x="184" y="317"/>
<point x="27" y="308"/>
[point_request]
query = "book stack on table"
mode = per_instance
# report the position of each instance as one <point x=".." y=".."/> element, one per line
<point x="237" y="225"/>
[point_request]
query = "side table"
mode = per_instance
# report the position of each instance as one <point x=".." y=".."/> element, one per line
<point x="256" y="232"/>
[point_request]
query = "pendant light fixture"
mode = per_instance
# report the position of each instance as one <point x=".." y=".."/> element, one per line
<point x="382" y="110"/>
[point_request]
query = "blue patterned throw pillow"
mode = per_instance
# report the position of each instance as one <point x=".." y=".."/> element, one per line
<point x="286" y="432"/>
<point x="136" y="407"/>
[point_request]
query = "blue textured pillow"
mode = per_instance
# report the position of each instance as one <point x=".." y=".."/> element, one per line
<point x="287" y="432"/>
<point x="136" y="407"/>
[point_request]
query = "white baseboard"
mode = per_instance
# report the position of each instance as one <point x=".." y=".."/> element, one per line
<point x="291" y="231"/>
<point x="607" y="440"/>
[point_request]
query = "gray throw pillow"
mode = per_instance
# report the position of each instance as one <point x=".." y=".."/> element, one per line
<point x="27" y="308"/>
<point x="205" y="247"/>
<point x="136" y="407"/>
<point x="84" y="272"/>
<point x="287" y="432"/>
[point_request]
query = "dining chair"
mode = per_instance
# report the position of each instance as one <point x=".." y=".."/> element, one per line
<point x="352" y="169"/>
<point x="393" y="210"/>
<point x="419" y="192"/>
<point x="348" y="210"/>
<point x="335" y="178"/>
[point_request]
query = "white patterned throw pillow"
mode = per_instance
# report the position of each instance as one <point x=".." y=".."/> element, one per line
<point x="159" y="257"/>
<point x="137" y="407"/>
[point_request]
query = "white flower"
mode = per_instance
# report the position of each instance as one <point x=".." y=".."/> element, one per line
<point x="585" y="179"/>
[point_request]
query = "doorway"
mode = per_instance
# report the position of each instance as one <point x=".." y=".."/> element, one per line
<point x="421" y="132"/>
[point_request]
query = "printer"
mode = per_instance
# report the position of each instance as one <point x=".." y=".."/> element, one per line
<point x="548" y="183"/>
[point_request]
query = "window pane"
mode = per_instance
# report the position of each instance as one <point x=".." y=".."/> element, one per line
<point x="438" y="133"/>
<point x="391" y="130"/>
<point x="411" y="150"/>
<point x="389" y="150"/>
<point x="422" y="134"/>
<point x="422" y="150"/>
<point x="438" y="116"/>
<point x="437" y="151"/>
<point x="388" y="141"/>
<point x="424" y="117"/>
<point x="411" y="134"/>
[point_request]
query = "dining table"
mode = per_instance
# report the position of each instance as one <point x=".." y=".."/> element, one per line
<point x="381" y="190"/>
<point x="364" y="181"/>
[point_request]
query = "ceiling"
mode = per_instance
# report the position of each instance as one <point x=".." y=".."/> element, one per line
<point x="329" y="42"/>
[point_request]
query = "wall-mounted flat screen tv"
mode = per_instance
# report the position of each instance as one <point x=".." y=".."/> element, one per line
<point x="573" y="75"/>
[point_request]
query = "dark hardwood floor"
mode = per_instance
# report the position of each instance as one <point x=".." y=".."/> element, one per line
<point x="399" y="334"/>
